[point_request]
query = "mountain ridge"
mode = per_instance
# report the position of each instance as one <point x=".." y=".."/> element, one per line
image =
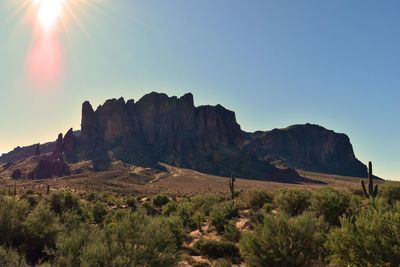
<point x="159" y="128"/>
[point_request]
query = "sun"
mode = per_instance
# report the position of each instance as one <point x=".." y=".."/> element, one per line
<point x="49" y="12"/>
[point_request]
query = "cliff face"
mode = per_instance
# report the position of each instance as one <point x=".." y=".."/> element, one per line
<point x="309" y="147"/>
<point x="169" y="129"/>
<point x="169" y="123"/>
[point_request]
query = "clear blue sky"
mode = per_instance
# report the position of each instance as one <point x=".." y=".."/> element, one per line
<point x="275" y="63"/>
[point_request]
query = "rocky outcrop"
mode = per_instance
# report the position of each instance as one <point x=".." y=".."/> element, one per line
<point x="48" y="167"/>
<point x="309" y="147"/>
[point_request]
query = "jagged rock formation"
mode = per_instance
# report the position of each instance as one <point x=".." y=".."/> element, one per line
<point x="158" y="128"/>
<point x="308" y="147"/>
<point x="49" y="166"/>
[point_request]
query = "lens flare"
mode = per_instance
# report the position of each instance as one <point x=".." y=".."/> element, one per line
<point x="49" y="12"/>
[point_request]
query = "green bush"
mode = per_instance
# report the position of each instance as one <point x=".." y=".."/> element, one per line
<point x="205" y="203"/>
<point x="198" y="219"/>
<point x="12" y="216"/>
<point x="40" y="233"/>
<point x="231" y="233"/>
<point x="257" y="198"/>
<point x="132" y="203"/>
<point x="10" y="258"/>
<point x="284" y="241"/>
<point x="71" y="243"/>
<point x="221" y="215"/>
<point x="390" y="191"/>
<point x="147" y="241"/>
<point x="175" y="225"/>
<point x="372" y="238"/>
<point x="216" y="249"/>
<point x="63" y="201"/>
<point x="330" y="204"/>
<point x="292" y="202"/>
<point x="134" y="240"/>
<point x="99" y="211"/>
<point x="185" y="210"/>
<point x="160" y="200"/>
<point x="169" y="208"/>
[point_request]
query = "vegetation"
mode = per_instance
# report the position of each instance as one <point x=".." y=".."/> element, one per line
<point x="372" y="191"/>
<point x="292" y="227"/>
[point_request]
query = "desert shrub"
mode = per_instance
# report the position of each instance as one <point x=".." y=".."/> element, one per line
<point x="292" y="202"/>
<point x="268" y="207"/>
<point x="31" y="199"/>
<point x="91" y="196"/>
<point x="169" y="208"/>
<point x="12" y="215"/>
<point x="198" y="219"/>
<point x="175" y="225"/>
<point x="10" y="258"/>
<point x="330" y="204"/>
<point x="99" y="211"/>
<point x="134" y="240"/>
<point x="71" y="243"/>
<point x="231" y="233"/>
<point x="144" y="240"/>
<point x="284" y="241"/>
<point x="222" y="263"/>
<point x="205" y="203"/>
<point x="40" y="232"/>
<point x="97" y="252"/>
<point x="149" y="209"/>
<point x="63" y="201"/>
<point x="221" y="214"/>
<point x="257" y="198"/>
<point x="71" y="201"/>
<point x="216" y="249"/>
<point x="116" y="216"/>
<point x="185" y="211"/>
<point x="160" y="200"/>
<point x="390" y="192"/>
<point x="73" y="220"/>
<point x="131" y="202"/>
<point x="372" y="238"/>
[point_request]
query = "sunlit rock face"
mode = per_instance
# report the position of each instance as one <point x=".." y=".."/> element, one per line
<point x="309" y="147"/>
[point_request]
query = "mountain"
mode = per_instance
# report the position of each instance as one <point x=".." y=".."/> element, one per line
<point x="172" y="130"/>
<point x="308" y="147"/>
<point x="20" y="153"/>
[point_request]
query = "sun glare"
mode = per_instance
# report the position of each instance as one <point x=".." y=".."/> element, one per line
<point x="49" y="12"/>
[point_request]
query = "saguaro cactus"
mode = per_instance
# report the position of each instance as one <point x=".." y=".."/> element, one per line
<point x="231" y="183"/>
<point x="15" y="189"/>
<point x="372" y="191"/>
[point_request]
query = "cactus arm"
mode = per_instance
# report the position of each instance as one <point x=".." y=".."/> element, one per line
<point x="376" y="191"/>
<point x="364" y="189"/>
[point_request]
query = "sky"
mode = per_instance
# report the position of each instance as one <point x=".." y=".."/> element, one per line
<point x="275" y="63"/>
